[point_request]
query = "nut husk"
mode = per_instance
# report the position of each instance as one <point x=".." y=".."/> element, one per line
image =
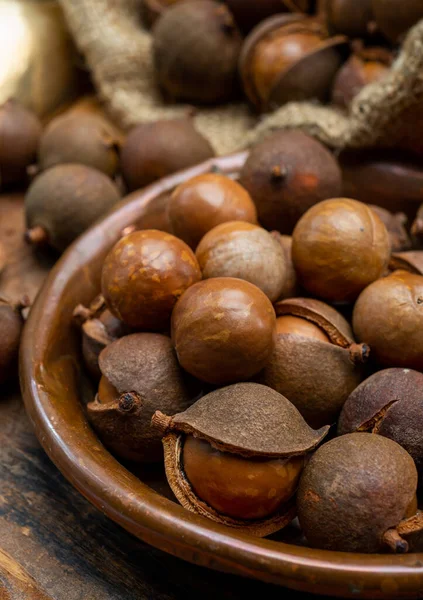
<point x="201" y="203"/>
<point x="417" y="228"/>
<point x="388" y="403"/>
<point x="249" y="13"/>
<point x="394" y="18"/>
<point x="291" y="287"/>
<point x="223" y="330"/>
<point x="83" y="138"/>
<point x="143" y="276"/>
<point x="64" y="201"/>
<point x="196" y="47"/>
<point x="388" y="316"/>
<point x="153" y="9"/>
<point x="395" y="225"/>
<point x="20" y="131"/>
<point x="354" y="492"/>
<point x="154" y="150"/>
<point x="411" y="261"/>
<point x="317" y="376"/>
<point x="145" y="375"/>
<point x="233" y="419"/>
<point x="287" y="174"/>
<point x="245" y="251"/>
<point x="352" y="18"/>
<point x="11" y="324"/>
<point x="287" y="58"/>
<point x="339" y="246"/>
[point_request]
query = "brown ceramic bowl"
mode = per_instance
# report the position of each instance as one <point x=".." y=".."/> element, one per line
<point x="51" y="384"/>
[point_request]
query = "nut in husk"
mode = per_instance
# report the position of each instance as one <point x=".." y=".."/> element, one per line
<point x="286" y="174"/>
<point x="11" y="324"/>
<point x="315" y="362"/>
<point x="354" y="494"/>
<point x="396" y="227"/>
<point x="235" y="456"/>
<point x="140" y="374"/>
<point x="289" y="58"/>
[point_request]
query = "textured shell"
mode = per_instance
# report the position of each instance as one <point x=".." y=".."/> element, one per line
<point x="353" y="490"/>
<point x="249" y="419"/>
<point x="396" y="226"/>
<point x="11" y="324"/>
<point x="389" y="403"/>
<point x="153" y="150"/>
<point x="186" y="495"/>
<point x="144" y="363"/>
<point x="20" y="131"/>
<point x="310" y="174"/>
<point x="411" y="261"/>
<point x="196" y="47"/>
<point x="388" y="316"/>
<point x="317" y="377"/>
<point x="291" y="287"/>
<point x="327" y="318"/>
<point x="244" y="251"/>
<point x="80" y="138"/>
<point x="65" y="200"/>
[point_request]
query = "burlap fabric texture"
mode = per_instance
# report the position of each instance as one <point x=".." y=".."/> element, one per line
<point x="118" y="51"/>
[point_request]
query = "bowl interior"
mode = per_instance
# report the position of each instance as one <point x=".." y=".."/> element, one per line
<point x="55" y="390"/>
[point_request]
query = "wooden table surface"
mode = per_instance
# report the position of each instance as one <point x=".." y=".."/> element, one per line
<point x="53" y="543"/>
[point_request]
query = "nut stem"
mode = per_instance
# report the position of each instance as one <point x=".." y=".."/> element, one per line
<point x="359" y="353"/>
<point x="395" y="542"/>
<point x="161" y="422"/>
<point x="36" y="235"/>
<point x="279" y="173"/>
<point x="129" y="402"/>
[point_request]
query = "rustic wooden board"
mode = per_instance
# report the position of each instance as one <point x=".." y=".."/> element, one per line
<point x="53" y="543"/>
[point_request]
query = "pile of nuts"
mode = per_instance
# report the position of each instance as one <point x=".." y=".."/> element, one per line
<point x="233" y="351"/>
<point x="259" y="335"/>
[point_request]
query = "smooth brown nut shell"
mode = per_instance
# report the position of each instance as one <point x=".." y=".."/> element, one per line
<point x="154" y="150"/>
<point x="389" y="403"/>
<point x="11" y="324"/>
<point x="65" y="200"/>
<point x="239" y="487"/>
<point x="205" y="201"/>
<point x="248" y="13"/>
<point x="353" y="490"/>
<point x="245" y="251"/>
<point x="223" y="330"/>
<point x="348" y="16"/>
<point x="395" y="225"/>
<point x="140" y="375"/>
<point x="395" y="18"/>
<point x="195" y="48"/>
<point x="20" y="131"/>
<point x="156" y="214"/>
<point x="339" y="247"/>
<point x="143" y="276"/>
<point x="388" y="315"/>
<point x="81" y="138"/>
<point x="298" y="326"/>
<point x="287" y="174"/>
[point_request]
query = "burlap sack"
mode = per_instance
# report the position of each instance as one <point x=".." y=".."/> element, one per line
<point x="118" y="52"/>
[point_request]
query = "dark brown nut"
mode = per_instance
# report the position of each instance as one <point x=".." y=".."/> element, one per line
<point x="156" y="215"/>
<point x="196" y="46"/>
<point x="315" y="362"/>
<point x="385" y="178"/>
<point x="354" y="494"/>
<point x="143" y="276"/>
<point x="246" y="251"/>
<point x="153" y="9"/>
<point x="140" y="374"/>
<point x="417" y="228"/>
<point x="396" y="227"/>
<point x="352" y="18"/>
<point x="82" y="138"/>
<point x="249" y="13"/>
<point x="20" y="132"/>
<point x="388" y="316"/>
<point x="394" y="18"/>
<point x="365" y="66"/>
<point x="339" y="247"/>
<point x="389" y="403"/>
<point x="64" y="201"/>
<point x="279" y="56"/>
<point x="245" y="475"/>
<point x="223" y="330"/>
<point x="287" y="174"/>
<point x="153" y="150"/>
<point x="205" y="201"/>
<point x="3" y="257"/>
<point x="411" y="261"/>
<point x="11" y="324"/>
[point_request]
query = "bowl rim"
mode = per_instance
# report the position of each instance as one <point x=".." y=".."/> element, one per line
<point x="139" y="509"/>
